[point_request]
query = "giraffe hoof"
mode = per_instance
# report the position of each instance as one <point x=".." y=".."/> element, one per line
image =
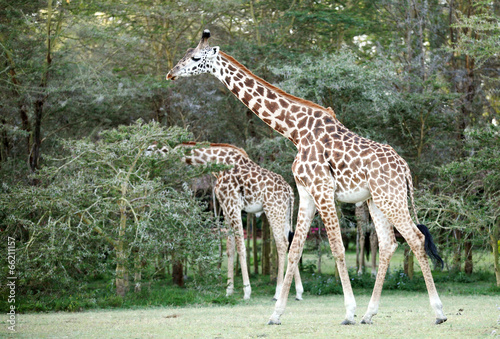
<point x="440" y="321"/>
<point x="366" y="322"/>
<point x="298" y="299"/>
<point x="271" y="322"/>
<point x="348" y="322"/>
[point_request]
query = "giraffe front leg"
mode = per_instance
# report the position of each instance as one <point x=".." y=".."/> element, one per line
<point x="242" y="254"/>
<point x="230" y="265"/>
<point x="323" y="193"/>
<point x="307" y="209"/>
<point x="232" y="216"/>
<point x="281" y="242"/>
<point x="332" y="227"/>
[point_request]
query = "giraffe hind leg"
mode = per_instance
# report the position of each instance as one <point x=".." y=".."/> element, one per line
<point x="419" y="240"/>
<point x="233" y="219"/>
<point x="416" y="240"/>
<point x="306" y="213"/>
<point x="387" y="247"/>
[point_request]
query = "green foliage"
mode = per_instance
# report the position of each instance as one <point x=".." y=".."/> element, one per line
<point x="104" y="198"/>
<point x="478" y="33"/>
<point x="467" y="196"/>
<point x="340" y="82"/>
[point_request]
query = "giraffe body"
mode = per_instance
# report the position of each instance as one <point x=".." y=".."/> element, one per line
<point x="248" y="187"/>
<point x="332" y="163"/>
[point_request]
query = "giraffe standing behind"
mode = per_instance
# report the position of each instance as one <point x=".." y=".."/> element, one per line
<point x="248" y="187"/>
<point x="332" y="163"/>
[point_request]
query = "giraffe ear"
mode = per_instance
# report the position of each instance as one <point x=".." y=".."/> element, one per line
<point x="214" y="51"/>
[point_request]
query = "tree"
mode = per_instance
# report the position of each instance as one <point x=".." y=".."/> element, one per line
<point x="31" y="89"/>
<point x="467" y="196"/>
<point x="106" y="198"/>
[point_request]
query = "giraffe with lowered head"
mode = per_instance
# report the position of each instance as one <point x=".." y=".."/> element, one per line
<point x="332" y="163"/>
<point x="250" y="188"/>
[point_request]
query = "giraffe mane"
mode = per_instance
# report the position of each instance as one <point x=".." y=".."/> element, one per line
<point x="278" y="90"/>
<point x="240" y="150"/>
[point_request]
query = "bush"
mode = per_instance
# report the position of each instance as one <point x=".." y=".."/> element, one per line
<point x="104" y="206"/>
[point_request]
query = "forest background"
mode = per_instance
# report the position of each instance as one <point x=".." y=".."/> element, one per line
<point x="83" y="94"/>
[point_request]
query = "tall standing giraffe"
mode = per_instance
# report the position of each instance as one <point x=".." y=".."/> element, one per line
<point x="332" y="163"/>
<point x="250" y="188"/>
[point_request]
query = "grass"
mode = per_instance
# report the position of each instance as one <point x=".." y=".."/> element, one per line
<point x="164" y="310"/>
<point x="401" y="315"/>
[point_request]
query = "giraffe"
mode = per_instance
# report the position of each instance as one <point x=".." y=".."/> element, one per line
<point x="332" y="163"/>
<point x="246" y="187"/>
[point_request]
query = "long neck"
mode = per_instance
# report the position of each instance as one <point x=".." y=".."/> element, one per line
<point x="220" y="155"/>
<point x="288" y="115"/>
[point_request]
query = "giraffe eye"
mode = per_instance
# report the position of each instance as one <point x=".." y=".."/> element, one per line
<point x="196" y="58"/>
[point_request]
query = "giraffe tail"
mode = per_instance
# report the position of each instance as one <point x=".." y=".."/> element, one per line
<point x="430" y="247"/>
<point x="290" y="239"/>
<point x="409" y="182"/>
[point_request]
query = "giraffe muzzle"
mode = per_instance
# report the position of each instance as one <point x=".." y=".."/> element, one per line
<point x="171" y="77"/>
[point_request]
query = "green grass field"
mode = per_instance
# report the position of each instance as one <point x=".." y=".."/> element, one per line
<point x="401" y="315"/>
<point x="163" y="310"/>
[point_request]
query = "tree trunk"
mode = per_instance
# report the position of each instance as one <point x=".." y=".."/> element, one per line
<point x="178" y="273"/>
<point x="457" y="257"/>
<point x="121" y="253"/>
<point x="121" y="270"/>
<point x="462" y="66"/>
<point x="408" y="262"/>
<point x="52" y="36"/>
<point x="468" y="265"/>
<point x="266" y="248"/>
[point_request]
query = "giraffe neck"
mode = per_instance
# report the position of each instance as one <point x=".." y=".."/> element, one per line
<point x="290" y="116"/>
<point x="218" y="153"/>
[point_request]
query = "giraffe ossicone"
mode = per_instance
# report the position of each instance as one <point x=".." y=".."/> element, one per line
<point x="332" y="163"/>
<point x="245" y="187"/>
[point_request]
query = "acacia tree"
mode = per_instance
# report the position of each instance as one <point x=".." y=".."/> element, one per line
<point x="106" y="199"/>
<point x="467" y="196"/>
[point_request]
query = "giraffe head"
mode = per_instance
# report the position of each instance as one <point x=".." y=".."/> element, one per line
<point x="153" y="150"/>
<point x="197" y="60"/>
